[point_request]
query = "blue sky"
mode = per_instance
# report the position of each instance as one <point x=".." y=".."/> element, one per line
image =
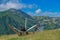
<point x="33" y="7"/>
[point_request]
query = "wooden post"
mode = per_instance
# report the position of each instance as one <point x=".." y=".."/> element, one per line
<point x="13" y="29"/>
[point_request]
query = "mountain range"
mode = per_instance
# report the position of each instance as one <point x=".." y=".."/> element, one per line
<point x="17" y="18"/>
<point x="13" y="17"/>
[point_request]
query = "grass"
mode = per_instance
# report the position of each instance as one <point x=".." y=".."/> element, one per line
<point x="44" y="35"/>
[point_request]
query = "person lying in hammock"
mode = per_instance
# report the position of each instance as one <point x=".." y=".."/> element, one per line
<point x="23" y="30"/>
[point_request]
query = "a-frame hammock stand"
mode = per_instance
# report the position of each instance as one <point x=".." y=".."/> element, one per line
<point x="17" y="31"/>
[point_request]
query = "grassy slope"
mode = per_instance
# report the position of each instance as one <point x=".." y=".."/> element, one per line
<point x="45" y="35"/>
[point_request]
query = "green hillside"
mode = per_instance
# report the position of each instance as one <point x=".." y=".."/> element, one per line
<point x="13" y="17"/>
<point x="44" y="35"/>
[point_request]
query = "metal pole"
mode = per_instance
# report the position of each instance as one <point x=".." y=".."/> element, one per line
<point x="25" y="23"/>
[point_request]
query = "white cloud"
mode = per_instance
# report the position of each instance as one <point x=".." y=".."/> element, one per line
<point x="47" y="13"/>
<point x="38" y="11"/>
<point x="32" y="6"/>
<point x="52" y="14"/>
<point x="14" y="4"/>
